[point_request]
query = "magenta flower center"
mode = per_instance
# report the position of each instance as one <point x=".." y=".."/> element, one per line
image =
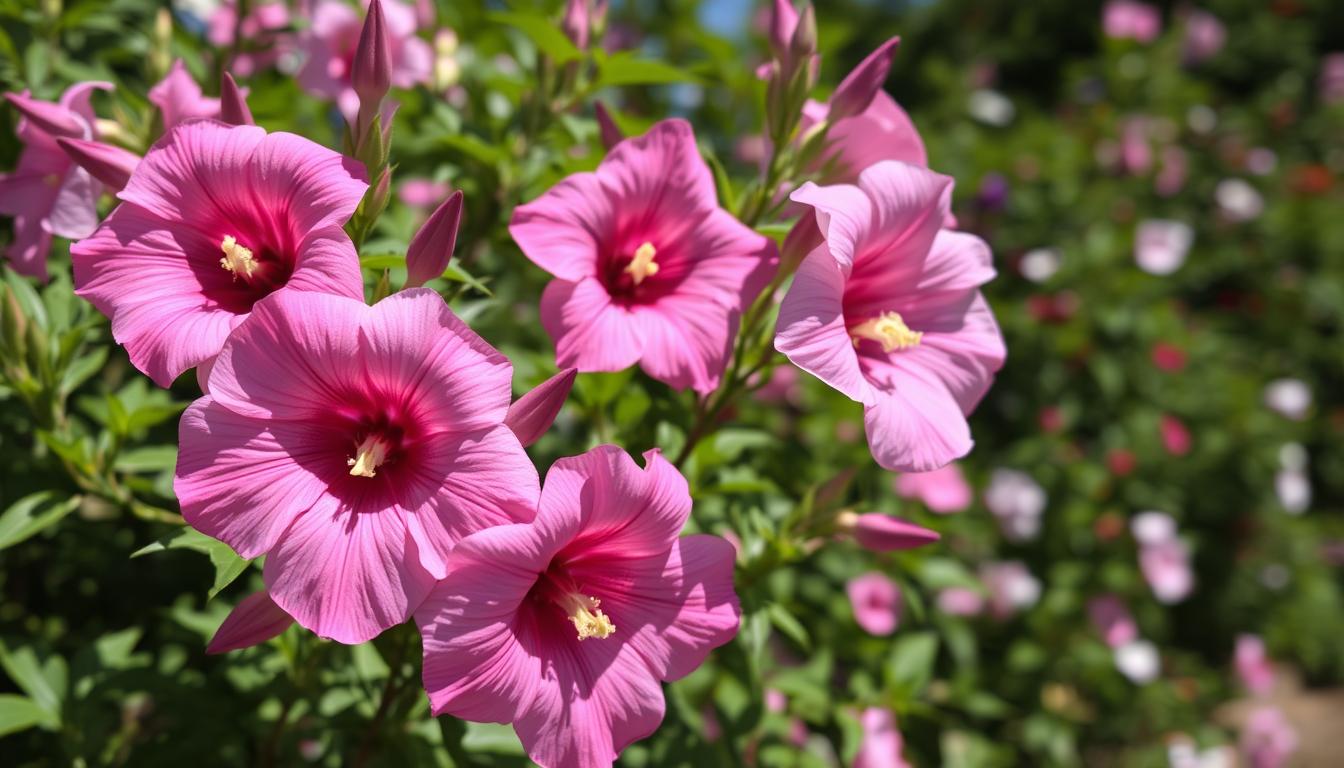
<point x="556" y="597"/>
<point x="376" y="444"/>
<point x="638" y="272"/>
<point x="246" y="269"/>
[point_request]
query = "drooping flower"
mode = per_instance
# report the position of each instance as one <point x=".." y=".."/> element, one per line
<point x="565" y="627"/>
<point x="179" y="98"/>
<point x="1161" y="245"/>
<point x="354" y="446"/>
<point x="1017" y="502"/>
<point x="888" y="311"/>
<point x="876" y="601"/>
<point x="1127" y="19"/>
<point x="48" y="194"/>
<point x="215" y="218"/>
<point x="943" y="490"/>
<point x="1252" y="664"/>
<point x="882" y="743"/>
<point x="648" y="267"/>
<point x="331" y="41"/>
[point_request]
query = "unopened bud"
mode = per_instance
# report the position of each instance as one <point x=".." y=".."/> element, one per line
<point x="801" y="240"/>
<point x="52" y="119"/>
<point x="803" y="42"/>
<point x="883" y="533"/>
<point x="857" y="90"/>
<point x="254" y="620"/>
<point x="432" y="247"/>
<point x="783" y="21"/>
<point x="534" y="412"/>
<point x="111" y="165"/>
<point x="611" y="133"/>
<point x="371" y="71"/>
<point x="577" y="22"/>
<point x="233" y="107"/>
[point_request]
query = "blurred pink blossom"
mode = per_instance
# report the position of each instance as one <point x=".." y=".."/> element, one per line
<point x="1268" y="740"/>
<point x="179" y="98"/>
<point x="1175" y="436"/>
<point x="1171" y="175"/>
<point x="1166" y="567"/>
<point x="1161" y="245"/>
<point x="1112" y="620"/>
<point x="1126" y="19"/>
<point x="942" y="490"/>
<point x="1017" y="502"/>
<point x="1290" y="398"/>
<point x="960" y="601"/>
<point x="422" y="193"/>
<point x="1332" y="78"/>
<point x="876" y="601"/>
<point x="1204" y="36"/>
<point x="331" y="40"/>
<point x="262" y="30"/>
<point x="1253" y="667"/>
<point x="1012" y="587"/>
<point x="882" y="744"/>
<point x="1136" y="154"/>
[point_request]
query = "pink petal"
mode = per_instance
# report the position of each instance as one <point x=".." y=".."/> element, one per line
<point x="414" y="347"/>
<point x="193" y="171"/>
<point x="532" y="414"/>
<point x="674" y="610"/>
<point x="812" y="331"/>
<point x="74" y="214"/>
<point x="243" y="480"/>
<point x="254" y="620"/>
<point x="882" y="132"/>
<point x="918" y="426"/>
<point x="590" y="332"/>
<point x="312" y="337"/>
<point x="327" y="263"/>
<point x="346" y="575"/>
<point x="27" y="254"/>
<point x="660" y="170"/>
<point x="942" y="490"/>
<point x="686" y="343"/>
<point x="179" y="98"/>
<point x="910" y="204"/>
<point x="564" y="230"/>
<point x="844" y="216"/>
<point x="962" y="345"/>
<point x="876" y="602"/>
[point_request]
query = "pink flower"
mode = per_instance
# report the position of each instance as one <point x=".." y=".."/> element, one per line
<point x="882" y="744"/>
<point x="1268" y="740"/>
<point x="1170" y="177"/>
<point x="254" y="620"/>
<point x="262" y="29"/>
<point x="1136" y="156"/>
<point x="213" y="219"/>
<point x="648" y="267"/>
<point x="330" y="44"/>
<point x="883" y="131"/>
<point x="532" y="414"/>
<point x="1253" y="667"/>
<point x="1204" y="36"/>
<point x="1017" y="502"/>
<point x="353" y="446"/>
<point x="1012" y="587"/>
<point x="1112" y="620"/>
<point x="888" y="311"/>
<point x="565" y="627"/>
<point x="1331" y="84"/>
<point x="1168" y="358"/>
<point x="1126" y="19"/>
<point x="942" y="490"/>
<point x="179" y="98"/>
<point x="1175" y="436"/>
<point x="883" y="533"/>
<point x="960" y="601"/>
<point x="47" y="194"/>
<point x="1160" y="245"/>
<point x="1166" y="568"/>
<point x="876" y="601"/>
<point x="423" y="193"/>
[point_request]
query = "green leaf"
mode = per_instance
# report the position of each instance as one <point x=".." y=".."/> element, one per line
<point x="154" y="458"/>
<point x="43" y="682"/>
<point x="457" y="274"/>
<point x="83" y="368"/>
<point x="910" y="665"/>
<point x="786" y="622"/>
<point x="377" y="261"/>
<point x="543" y="33"/>
<point x="228" y="565"/>
<point x="626" y="68"/>
<point x="19" y="713"/>
<point x="491" y="737"/>
<point x="33" y="513"/>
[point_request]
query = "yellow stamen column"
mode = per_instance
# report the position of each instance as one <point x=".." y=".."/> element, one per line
<point x="887" y="329"/>
<point x="237" y="258"/>
<point x="368" y="457"/>
<point x="588" y="619"/>
<point x="642" y="266"/>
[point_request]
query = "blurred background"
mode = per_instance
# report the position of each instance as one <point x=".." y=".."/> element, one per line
<point x="1141" y="562"/>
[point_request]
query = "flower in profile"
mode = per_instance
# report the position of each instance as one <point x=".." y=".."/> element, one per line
<point x="179" y="98"/>
<point x="649" y="269"/>
<point x="353" y="446"/>
<point x="1130" y="20"/>
<point x="330" y="44"/>
<point x="48" y="194"/>
<point x="876" y="601"/>
<point x="565" y="626"/>
<point x="1268" y="740"/>
<point x="1017" y="502"/>
<point x="1252" y="664"/>
<point x="213" y="219"/>
<point x="887" y="310"/>
<point x="263" y="29"/>
<point x="943" y="490"/>
<point x="882" y="744"/>
<point x="1011" y="586"/>
<point x="1161" y="245"/>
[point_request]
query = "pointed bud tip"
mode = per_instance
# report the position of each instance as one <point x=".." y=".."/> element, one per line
<point x="233" y="107"/>
<point x="533" y="413"/>
<point x="856" y="92"/>
<point x="111" y="165"/>
<point x="608" y="130"/>
<point x="432" y="247"/>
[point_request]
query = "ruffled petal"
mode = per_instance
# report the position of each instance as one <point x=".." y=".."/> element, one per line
<point x="659" y="173"/>
<point x="564" y="230"/>
<point x="910" y="204"/>
<point x="845" y="217"/>
<point x="962" y="346"/>
<point x="811" y="331"/>
<point x="590" y="332"/>
<point x="327" y="263"/>
<point x="686" y="343"/>
<point x="917" y="426"/>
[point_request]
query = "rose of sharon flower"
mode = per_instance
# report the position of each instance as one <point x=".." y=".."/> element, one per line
<point x="1268" y="740"/>
<point x="1112" y="620"/>
<point x="882" y="744"/>
<point x="943" y="490"/>
<point x="887" y="310"/>
<point x="883" y="131"/>
<point x="1160" y="245"/>
<point x="1011" y="587"/>
<point x="648" y="267"/>
<point x="215" y="218"/>
<point x="179" y="98"/>
<point x="1253" y="666"/>
<point x="263" y="29"/>
<point x="1127" y="19"/>
<point x="876" y="601"/>
<point x="565" y="627"/>
<point x="353" y="446"/>
<point x="47" y="194"/>
<point x="330" y="44"/>
<point x="1164" y="559"/>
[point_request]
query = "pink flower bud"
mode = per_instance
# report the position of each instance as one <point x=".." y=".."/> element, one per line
<point x="857" y="90"/>
<point x="803" y="41"/>
<point x="46" y="116"/>
<point x="607" y="128"/>
<point x="432" y="246"/>
<point x="532" y="414"/>
<point x="254" y="620"/>
<point x="783" y="21"/>
<point x="110" y="165"/>
<point x="576" y="23"/>
<point x="371" y="72"/>
<point x="233" y="104"/>
<point x="884" y="533"/>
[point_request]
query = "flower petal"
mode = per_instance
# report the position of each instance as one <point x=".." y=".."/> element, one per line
<point x="812" y="332"/>
<point x="254" y="620"/>
<point x="564" y="230"/>
<point x="845" y="217"/>
<point x="327" y="263"/>
<point x="917" y="426"/>
<point x="590" y="332"/>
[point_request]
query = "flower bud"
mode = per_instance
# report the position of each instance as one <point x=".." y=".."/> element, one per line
<point x="803" y="42"/>
<point x="371" y="72"/>
<point x="233" y="107"/>
<point x="111" y="165"/>
<point x="52" y="119"/>
<point x="432" y="246"/>
<point x="576" y="23"/>
<point x="883" y="533"/>
<point x="13" y="325"/>
<point x="533" y="413"/>
<point x="857" y="90"/>
<point x="254" y="620"/>
<point x="783" y="22"/>
<point x="607" y="128"/>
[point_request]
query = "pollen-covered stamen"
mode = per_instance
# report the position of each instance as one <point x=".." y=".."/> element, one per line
<point x="642" y="266"/>
<point x="368" y="457"/>
<point x="588" y="619"/>
<point x="887" y="329"/>
<point x="237" y="258"/>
